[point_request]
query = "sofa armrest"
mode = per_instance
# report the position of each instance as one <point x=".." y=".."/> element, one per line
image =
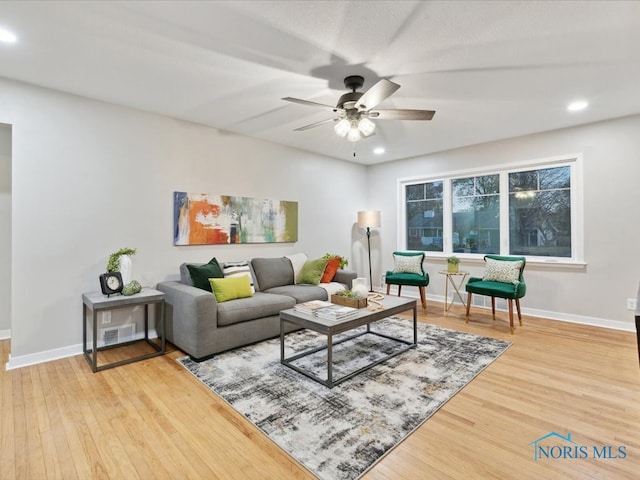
<point x="191" y="317"/>
<point x="474" y="279"/>
<point x="346" y="277"/>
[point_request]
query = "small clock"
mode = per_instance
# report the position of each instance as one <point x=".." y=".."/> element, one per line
<point x="111" y="283"/>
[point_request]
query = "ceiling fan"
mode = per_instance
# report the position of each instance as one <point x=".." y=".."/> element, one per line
<point x="356" y="109"/>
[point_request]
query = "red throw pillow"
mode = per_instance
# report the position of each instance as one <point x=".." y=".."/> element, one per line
<point x="330" y="270"/>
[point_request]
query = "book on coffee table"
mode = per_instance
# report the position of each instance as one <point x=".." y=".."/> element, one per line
<point x="311" y="306"/>
<point x="335" y="312"/>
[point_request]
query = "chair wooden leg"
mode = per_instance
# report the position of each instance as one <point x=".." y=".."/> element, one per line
<point x="399" y="289"/>
<point x="511" y="316"/>
<point x="388" y="288"/>
<point x="493" y="308"/>
<point x="423" y="297"/>
<point x="468" y="306"/>
<point x="518" y="309"/>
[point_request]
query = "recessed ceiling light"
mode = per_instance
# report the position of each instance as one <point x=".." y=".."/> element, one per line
<point x="7" y="36"/>
<point x="378" y="150"/>
<point x="577" y="105"/>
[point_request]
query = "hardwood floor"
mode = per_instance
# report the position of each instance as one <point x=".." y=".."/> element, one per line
<point x="153" y="420"/>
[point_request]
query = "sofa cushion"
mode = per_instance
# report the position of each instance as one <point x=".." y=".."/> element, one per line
<point x="333" y="264"/>
<point x="272" y="272"/>
<point x="301" y="293"/>
<point x="238" y="269"/>
<point x="199" y="274"/>
<point x="312" y="271"/>
<point x="297" y="261"/>
<point x="226" y="289"/>
<point x="258" y="306"/>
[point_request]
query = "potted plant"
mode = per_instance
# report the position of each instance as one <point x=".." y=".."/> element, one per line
<point x="343" y="261"/>
<point x="349" y="298"/>
<point x="452" y="264"/>
<point x="120" y="261"/>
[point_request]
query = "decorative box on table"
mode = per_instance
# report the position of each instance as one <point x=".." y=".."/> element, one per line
<point x="349" y="301"/>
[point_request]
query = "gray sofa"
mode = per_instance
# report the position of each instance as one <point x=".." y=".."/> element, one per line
<point x="202" y="327"/>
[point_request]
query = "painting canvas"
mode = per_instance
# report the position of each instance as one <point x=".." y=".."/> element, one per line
<point x="203" y="219"/>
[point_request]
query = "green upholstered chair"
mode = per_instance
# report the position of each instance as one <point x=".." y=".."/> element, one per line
<point x="503" y="279"/>
<point x="408" y="270"/>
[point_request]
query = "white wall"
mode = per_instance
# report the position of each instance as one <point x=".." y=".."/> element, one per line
<point x="596" y="294"/>
<point x="91" y="177"/>
<point x="5" y="230"/>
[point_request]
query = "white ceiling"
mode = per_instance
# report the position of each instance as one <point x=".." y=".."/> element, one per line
<point x="490" y="69"/>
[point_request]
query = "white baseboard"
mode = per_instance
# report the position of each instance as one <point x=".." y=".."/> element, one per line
<point x="41" y="357"/>
<point x="57" y="354"/>
<point x="5" y="334"/>
<point x="479" y="302"/>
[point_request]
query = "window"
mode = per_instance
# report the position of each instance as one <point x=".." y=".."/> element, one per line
<point x="540" y="212"/>
<point x="531" y="210"/>
<point x="476" y="214"/>
<point x="424" y="216"/>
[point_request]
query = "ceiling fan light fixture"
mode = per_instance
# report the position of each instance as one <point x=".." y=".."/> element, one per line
<point x="342" y="127"/>
<point x="353" y="135"/>
<point x="366" y="126"/>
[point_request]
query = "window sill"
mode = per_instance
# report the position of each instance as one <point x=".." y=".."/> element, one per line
<point x="537" y="263"/>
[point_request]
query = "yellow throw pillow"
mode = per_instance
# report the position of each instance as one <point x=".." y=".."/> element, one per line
<point x="230" y="288"/>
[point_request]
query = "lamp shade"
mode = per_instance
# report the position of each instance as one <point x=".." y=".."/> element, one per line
<point x="369" y="218"/>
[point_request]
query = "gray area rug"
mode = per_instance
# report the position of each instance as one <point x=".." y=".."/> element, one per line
<point x="340" y="433"/>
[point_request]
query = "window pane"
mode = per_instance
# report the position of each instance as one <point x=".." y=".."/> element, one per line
<point x="551" y="178"/>
<point x="523" y="181"/>
<point x="476" y="214"/>
<point x="540" y="221"/>
<point x="415" y="192"/>
<point x="424" y="217"/>
<point x="487" y="184"/>
<point x="433" y="190"/>
<point x="462" y="186"/>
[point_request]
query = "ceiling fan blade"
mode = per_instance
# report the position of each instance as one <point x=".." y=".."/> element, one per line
<point x="376" y="94"/>
<point x="316" y="124"/>
<point x="402" y="114"/>
<point x="307" y="102"/>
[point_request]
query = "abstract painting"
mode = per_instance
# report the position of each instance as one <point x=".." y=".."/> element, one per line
<point x="203" y="219"/>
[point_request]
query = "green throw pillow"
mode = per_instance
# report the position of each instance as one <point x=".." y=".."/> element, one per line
<point x="200" y="274"/>
<point x="312" y="271"/>
<point x="230" y="288"/>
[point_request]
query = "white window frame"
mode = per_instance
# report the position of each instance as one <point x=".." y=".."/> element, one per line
<point x="573" y="161"/>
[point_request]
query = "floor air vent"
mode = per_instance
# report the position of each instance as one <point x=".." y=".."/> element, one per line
<point x="114" y="335"/>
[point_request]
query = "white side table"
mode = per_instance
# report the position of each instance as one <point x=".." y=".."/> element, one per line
<point x="97" y="302"/>
<point x="456" y="279"/>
